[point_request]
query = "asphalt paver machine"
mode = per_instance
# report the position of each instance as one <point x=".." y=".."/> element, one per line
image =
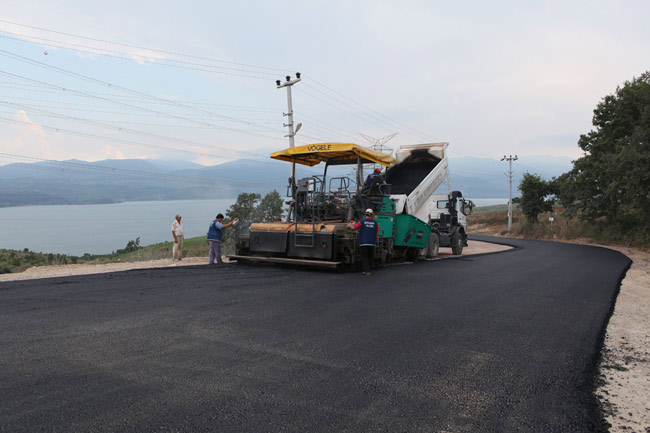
<point x="316" y="231"/>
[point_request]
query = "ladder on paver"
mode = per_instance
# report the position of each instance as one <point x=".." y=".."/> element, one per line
<point x="305" y="239"/>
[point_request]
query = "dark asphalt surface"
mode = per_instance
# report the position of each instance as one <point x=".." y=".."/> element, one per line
<point x="501" y="342"/>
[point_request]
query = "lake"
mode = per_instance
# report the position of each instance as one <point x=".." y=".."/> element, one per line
<point x="103" y="228"/>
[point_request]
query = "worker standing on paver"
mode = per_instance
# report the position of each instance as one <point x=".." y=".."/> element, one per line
<point x="374" y="179"/>
<point x="368" y="234"/>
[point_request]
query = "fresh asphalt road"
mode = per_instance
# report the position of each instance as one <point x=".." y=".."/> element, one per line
<point x="500" y="342"/>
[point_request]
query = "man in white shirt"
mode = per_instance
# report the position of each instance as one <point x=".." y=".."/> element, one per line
<point x="177" y="233"/>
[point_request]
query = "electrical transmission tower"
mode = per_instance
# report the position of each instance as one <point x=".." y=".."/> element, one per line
<point x="378" y="143"/>
<point x="509" y="175"/>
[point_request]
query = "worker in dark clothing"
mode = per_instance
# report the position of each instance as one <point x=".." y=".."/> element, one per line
<point x="374" y="178"/>
<point x="368" y="234"/>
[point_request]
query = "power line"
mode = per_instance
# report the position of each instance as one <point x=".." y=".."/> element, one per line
<point x="127" y="142"/>
<point x="124" y="89"/>
<point x="471" y="153"/>
<point x="144" y="48"/>
<point x="168" y="115"/>
<point x="39" y="89"/>
<point x="133" y="131"/>
<point x="324" y="133"/>
<point x="77" y="104"/>
<point x="141" y="108"/>
<point x="328" y="126"/>
<point x="374" y="119"/>
<point x="422" y="134"/>
<point x="71" y="107"/>
<point x="158" y="62"/>
<point x="370" y="113"/>
<point x="81" y="107"/>
<point x="338" y="108"/>
<point x="41" y="113"/>
<point x="128" y="54"/>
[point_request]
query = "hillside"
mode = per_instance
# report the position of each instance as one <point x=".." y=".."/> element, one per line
<point x="114" y="181"/>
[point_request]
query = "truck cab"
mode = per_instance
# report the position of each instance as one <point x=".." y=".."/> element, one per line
<point x="448" y="218"/>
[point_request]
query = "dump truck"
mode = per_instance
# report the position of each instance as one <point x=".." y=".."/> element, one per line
<point x="419" y="171"/>
<point x="316" y="231"/>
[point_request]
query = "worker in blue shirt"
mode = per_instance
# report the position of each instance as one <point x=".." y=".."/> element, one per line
<point x="215" y="237"/>
<point x="368" y="235"/>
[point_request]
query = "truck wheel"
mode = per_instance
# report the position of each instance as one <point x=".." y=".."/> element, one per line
<point x="433" y="247"/>
<point x="457" y="243"/>
<point x="412" y="254"/>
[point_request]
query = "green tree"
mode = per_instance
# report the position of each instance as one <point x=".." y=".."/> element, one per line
<point x="132" y="245"/>
<point x="612" y="179"/>
<point x="534" y="196"/>
<point x="244" y="208"/>
<point x="250" y="208"/>
<point x="270" y="208"/>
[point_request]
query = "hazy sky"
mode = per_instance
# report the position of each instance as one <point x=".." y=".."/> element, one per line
<point x="196" y="80"/>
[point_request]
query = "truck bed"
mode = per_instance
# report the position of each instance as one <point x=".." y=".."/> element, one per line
<point x="419" y="171"/>
<point x="403" y="178"/>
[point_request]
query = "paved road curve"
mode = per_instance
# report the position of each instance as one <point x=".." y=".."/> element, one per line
<point x="499" y="342"/>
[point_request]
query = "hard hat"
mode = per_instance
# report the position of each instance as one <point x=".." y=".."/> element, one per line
<point x="378" y="170"/>
<point x="369" y="212"/>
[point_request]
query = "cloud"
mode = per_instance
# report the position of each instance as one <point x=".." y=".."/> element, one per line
<point x="146" y="56"/>
<point x="111" y="152"/>
<point x="209" y="161"/>
<point x="28" y="137"/>
<point x="11" y="144"/>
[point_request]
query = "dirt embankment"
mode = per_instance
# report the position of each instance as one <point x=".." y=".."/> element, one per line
<point x="625" y="366"/>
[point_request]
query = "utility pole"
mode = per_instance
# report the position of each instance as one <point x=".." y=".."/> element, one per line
<point x="509" y="175"/>
<point x="288" y="83"/>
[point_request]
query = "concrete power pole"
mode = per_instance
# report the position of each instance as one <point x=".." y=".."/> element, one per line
<point x="288" y="83"/>
<point x="509" y="174"/>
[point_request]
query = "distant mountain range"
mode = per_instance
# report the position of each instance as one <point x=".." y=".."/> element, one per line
<point x="119" y="180"/>
<point x="486" y="178"/>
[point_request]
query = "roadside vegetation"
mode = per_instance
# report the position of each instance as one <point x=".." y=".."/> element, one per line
<point x="605" y="197"/>
<point x="494" y="222"/>
<point x="18" y="261"/>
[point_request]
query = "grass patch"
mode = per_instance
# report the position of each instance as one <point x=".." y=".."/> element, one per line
<point x="493" y="208"/>
<point x="18" y="261"/>
<point x="192" y="247"/>
<point x="12" y="261"/>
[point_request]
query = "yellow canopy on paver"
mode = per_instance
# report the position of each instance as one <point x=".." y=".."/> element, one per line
<point x="333" y="153"/>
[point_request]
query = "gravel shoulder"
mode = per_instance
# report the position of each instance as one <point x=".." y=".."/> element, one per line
<point x="475" y="247"/>
<point x="624" y="389"/>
